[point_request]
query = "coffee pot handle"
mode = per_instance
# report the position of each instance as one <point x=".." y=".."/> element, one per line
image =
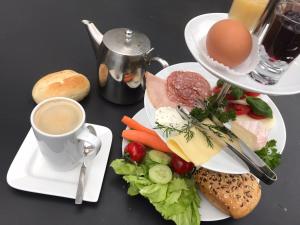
<point x="161" y="61"/>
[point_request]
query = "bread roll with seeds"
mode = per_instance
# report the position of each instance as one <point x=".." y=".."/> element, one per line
<point x="234" y="194"/>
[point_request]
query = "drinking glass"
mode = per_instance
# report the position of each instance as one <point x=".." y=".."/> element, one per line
<point x="280" y="45"/>
<point x="247" y="11"/>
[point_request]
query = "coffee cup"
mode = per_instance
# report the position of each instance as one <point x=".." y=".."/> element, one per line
<point x="61" y="132"/>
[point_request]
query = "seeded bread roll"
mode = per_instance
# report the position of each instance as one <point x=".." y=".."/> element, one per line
<point x="65" y="83"/>
<point x="235" y="195"/>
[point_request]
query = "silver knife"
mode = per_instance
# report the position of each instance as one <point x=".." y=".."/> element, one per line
<point x="256" y="165"/>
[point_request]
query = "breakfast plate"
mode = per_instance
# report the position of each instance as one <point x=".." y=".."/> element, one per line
<point x="224" y="161"/>
<point x="197" y="28"/>
<point x="207" y="211"/>
<point x="29" y="170"/>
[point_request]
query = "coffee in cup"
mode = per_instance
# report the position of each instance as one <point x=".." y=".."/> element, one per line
<point x="58" y="117"/>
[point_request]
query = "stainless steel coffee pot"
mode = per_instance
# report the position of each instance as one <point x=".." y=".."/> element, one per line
<point x="122" y="57"/>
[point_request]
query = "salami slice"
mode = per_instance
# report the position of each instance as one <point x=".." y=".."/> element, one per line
<point x="185" y="87"/>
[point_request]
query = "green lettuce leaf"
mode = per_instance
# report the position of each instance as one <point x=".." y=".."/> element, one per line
<point x="177" y="201"/>
<point x="155" y="192"/>
<point x="121" y="167"/>
<point x="133" y="190"/>
<point x="177" y="184"/>
<point x="173" y="197"/>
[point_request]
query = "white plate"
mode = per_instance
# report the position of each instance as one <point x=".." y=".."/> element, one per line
<point x="222" y="162"/>
<point x="198" y="27"/>
<point x="207" y="211"/>
<point x="29" y="170"/>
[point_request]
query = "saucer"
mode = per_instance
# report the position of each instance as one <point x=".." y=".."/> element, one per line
<point x="29" y="170"/>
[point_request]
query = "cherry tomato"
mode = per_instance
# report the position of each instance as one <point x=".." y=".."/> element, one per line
<point x="250" y="93"/>
<point x="239" y="108"/>
<point x="136" y="151"/>
<point x="216" y="89"/>
<point x="255" y="116"/>
<point x="180" y="166"/>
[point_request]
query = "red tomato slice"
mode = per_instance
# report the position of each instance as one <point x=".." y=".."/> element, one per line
<point x="240" y="109"/>
<point x="217" y="89"/>
<point x="252" y="94"/>
<point x="255" y="116"/>
<point x="230" y="97"/>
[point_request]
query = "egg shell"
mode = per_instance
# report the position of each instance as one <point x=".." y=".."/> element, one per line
<point x="229" y="42"/>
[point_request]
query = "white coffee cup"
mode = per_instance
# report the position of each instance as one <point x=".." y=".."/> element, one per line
<point x="63" y="150"/>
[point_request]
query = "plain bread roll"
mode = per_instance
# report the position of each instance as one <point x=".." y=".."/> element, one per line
<point x="65" y="83"/>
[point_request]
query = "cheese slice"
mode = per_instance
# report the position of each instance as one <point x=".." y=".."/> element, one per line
<point x="195" y="150"/>
<point x="268" y="123"/>
<point x="253" y="132"/>
<point x="175" y="148"/>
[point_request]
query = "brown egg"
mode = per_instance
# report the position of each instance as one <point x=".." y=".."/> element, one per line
<point x="229" y="42"/>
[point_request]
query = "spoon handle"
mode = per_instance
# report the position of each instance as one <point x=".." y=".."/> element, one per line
<point x="80" y="187"/>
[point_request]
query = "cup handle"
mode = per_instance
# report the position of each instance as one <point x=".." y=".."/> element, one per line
<point x="87" y="136"/>
<point x="161" y="61"/>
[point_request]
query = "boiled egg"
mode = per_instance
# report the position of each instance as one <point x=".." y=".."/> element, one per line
<point x="229" y="42"/>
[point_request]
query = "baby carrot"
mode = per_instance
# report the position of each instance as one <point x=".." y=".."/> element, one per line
<point x="136" y="125"/>
<point x="147" y="139"/>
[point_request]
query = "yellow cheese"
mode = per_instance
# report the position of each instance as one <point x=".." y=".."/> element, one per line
<point x="173" y="146"/>
<point x="196" y="150"/>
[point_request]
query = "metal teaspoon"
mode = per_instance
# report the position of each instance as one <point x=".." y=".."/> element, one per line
<point x="88" y="151"/>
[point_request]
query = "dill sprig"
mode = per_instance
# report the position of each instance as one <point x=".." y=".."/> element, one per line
<point x="207" y="137"/>
<point x="168" y="130"/>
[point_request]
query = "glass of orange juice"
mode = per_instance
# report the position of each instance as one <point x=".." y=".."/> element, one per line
<point x="247" y="11"/>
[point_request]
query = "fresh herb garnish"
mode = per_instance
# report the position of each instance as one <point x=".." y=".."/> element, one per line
<point x="269" y="154"/>
<point x="168" y="130"/>
<point x="259" y="107"/>
<point x="210" y="108"/>
<point x="220" y="83"/>
<point x="236" y="92"/>
<point x="200" y="114"/>
<point x="225" y="116"/>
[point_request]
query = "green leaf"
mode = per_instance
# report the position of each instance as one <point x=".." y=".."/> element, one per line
<point x="177" y="201"/>
<point x="236" y="92"/>
<point x="226" y="116"/>
<point x="199" y="114"/>
<point x="220" y="83"/>
<point x="259" y="107"/>
<point x="177" y="184"/>
<point x="137" y="180"/>
<point x="121" y="167"/>
<point x="155" y="192"/>
<point x="132" y="190"/>
<point x="269" y="154"/>
<point x="173" y="197"/>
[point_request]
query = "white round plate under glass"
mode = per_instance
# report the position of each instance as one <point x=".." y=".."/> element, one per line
<point x="197" y="28"/>
<point x="207" y="211"/>
<point x="222" y="162"/>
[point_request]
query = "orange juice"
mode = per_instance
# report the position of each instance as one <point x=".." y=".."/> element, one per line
<point x="247" y="11"/>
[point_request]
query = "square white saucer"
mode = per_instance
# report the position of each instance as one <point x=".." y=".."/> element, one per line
<point x="29" y="170"/>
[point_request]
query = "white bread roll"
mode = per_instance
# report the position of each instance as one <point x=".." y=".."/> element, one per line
<point x="65" y="83"/>
<point x="234" y="194"/>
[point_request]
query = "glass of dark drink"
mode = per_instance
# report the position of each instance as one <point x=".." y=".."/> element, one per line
<point x="281" y="43"/>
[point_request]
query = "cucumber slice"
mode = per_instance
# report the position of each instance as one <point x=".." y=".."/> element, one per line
<point x="159" y="157"/>
<point x="160" y="174"/>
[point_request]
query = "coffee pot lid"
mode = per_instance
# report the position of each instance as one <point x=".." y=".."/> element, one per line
<point x="126" y="42"/>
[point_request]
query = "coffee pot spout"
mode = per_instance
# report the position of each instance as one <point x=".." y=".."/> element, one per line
<point x="95" y="35"/>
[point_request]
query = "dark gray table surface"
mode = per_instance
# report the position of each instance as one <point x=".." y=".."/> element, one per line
<point x="38" y="37"/>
